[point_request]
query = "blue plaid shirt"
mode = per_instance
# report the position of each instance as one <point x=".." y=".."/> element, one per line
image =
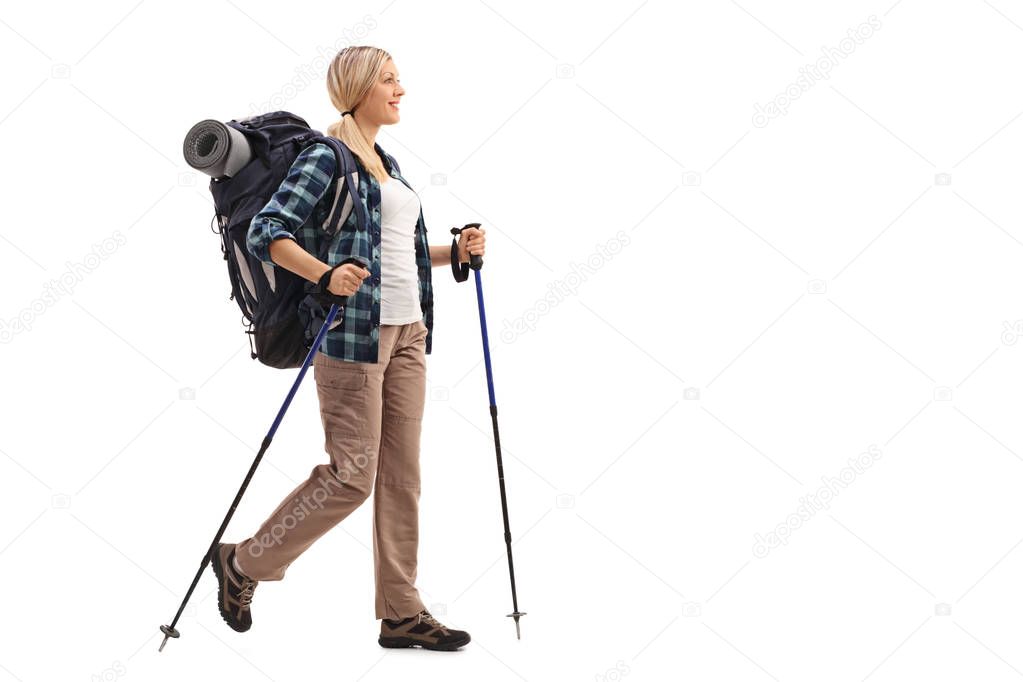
<point x="298" y="210"/>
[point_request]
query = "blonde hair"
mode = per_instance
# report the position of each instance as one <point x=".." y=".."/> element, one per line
<point x="352" y="74"/>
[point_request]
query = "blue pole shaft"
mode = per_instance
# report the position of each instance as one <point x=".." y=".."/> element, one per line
<point x="486" y="339"/>
<point x="516" y="614"/>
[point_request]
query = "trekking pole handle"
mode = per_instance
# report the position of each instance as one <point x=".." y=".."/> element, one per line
<point x="458" y="269"/>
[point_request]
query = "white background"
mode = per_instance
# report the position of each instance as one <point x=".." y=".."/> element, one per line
<point x="781" y="298"/>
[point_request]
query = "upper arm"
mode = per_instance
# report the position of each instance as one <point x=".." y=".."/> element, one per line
<point x="294" y="200"/>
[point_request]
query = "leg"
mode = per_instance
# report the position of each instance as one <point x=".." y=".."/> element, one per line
<point x="350" y="409"/>
<point x="396" y="493"/>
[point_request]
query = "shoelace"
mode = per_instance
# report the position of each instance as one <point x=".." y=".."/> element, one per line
<point x="245" y="595"/>
<point x="428" y="617"/>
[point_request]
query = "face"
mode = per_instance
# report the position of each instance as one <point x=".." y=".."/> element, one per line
<point x="383" y="100"/>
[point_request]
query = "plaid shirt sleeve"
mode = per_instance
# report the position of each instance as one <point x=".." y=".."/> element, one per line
<point x="293" y="202"/>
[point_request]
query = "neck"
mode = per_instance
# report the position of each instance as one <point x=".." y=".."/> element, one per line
<point x="368" y="129"/>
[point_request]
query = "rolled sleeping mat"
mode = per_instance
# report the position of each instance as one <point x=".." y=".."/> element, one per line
<point x="216" y="149"/>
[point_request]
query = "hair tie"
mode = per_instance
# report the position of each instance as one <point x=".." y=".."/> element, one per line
<point x="347" y="112"/>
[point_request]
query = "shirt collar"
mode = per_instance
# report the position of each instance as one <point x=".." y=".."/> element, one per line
<point x="386" y="159"/>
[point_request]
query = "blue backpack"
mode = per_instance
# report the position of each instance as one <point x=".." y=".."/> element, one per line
<point x="281" y="309"/>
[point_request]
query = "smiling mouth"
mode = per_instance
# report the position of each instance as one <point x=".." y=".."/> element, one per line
<point x="393" y="104"/>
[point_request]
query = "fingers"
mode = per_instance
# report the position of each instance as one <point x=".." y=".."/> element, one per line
<point x="353" y="282"/>
<point x="475" y="240"/>
<point x="354" y="274"/>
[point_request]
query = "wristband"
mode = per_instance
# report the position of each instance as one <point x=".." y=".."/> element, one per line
<point x="459" y="270"/>
<point x="321" y="285"/>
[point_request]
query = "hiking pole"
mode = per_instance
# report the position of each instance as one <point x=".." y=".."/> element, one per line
<point x="476" y="263"/>
<point x="169" y="630"/>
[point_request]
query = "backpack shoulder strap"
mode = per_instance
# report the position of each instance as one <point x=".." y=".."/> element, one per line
<point x="346" y="172"/>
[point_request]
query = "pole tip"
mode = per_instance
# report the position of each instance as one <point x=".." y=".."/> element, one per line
<point x="168" y="632"/>
<point x="516" y="615"/>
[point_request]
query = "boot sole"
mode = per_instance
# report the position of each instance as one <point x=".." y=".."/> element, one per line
<point x="408" y="642"/>
<point x="218" y="571"/>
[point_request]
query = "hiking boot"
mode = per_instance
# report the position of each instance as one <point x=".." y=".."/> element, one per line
<point x="421" y="630"/>
<point x="234" y="590"/>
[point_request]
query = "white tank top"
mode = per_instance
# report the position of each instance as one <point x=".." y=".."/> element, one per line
<point x="399" y="273"/>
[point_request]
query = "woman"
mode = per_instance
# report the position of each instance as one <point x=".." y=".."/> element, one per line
<point x="371" y="372"/>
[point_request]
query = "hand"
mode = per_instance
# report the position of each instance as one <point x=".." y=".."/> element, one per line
<point x="470" y="242"/>
<point x="346" y="279"/>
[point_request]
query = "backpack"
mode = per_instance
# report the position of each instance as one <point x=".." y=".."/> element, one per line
<point x="281" y="309"/>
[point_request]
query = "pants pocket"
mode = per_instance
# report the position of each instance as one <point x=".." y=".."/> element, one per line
<point x="340" y="379"/>
<point x="343" y="396"/>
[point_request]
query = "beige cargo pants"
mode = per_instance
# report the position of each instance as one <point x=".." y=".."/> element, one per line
<point x="372" y="417"/>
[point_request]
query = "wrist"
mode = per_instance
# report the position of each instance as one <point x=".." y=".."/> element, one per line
<point x="323" y="280"/>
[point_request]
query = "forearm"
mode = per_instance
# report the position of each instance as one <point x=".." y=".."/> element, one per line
<point x="288" y="254"/>
<point x="440" y="255"/>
